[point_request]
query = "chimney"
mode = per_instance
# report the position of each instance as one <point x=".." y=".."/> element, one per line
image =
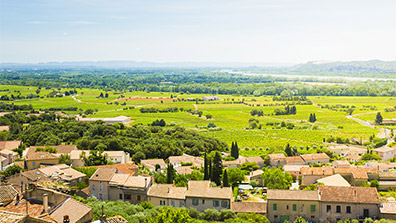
<point x="354" y="193"/>
<point x="45" y="203"/>
<point x="145" y="182"/>
<point x="66" y="219"/>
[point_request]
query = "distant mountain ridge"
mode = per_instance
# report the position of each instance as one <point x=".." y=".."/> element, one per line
<point x="137" y="64"/>
<point x="371" y="66"/>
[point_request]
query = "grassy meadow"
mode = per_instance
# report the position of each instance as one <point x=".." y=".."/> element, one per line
<point x="230" y="117"/>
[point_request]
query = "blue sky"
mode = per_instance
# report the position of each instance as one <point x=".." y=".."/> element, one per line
<point x="273" y="31"/>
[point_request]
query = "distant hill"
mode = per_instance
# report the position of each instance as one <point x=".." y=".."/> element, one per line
<point x="136" y="64"/>
<point x="352" y="67"/>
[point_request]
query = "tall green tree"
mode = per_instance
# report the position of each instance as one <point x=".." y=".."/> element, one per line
<point x="206" y="171"/>
<point x="275" y="178"/>
<point x="378" y="118"/>
<point x="210" y="169"/>
<point x="217" y="169"/>
<point x="232" y="149"/>
<point x="225" y="179"/>
<point x="170" y="174"/>
<point x="288" y="150"/>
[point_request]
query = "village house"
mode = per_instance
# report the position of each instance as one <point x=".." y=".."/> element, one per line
<point x="357" y="176"/>
<point x="287" y="205"/>
<point x="60" y="150"/>
<point x="109" y="184"/>
<point x="167" y="195"/>
<point x="35" y="160"/>
<point x="277" y="159"/>
<point x="334" y="180"/>
<point x="201" y="196"/>
<point x="9" y="145"/>
<point x="388" y="210"/>
<point x="211" y="98"/>
<point x="353" y="158"/>
<point x="295" y="160"/>
<point x="257" y="175"/>
<point x="294" y="170"/>
<point x="63" y="174"/>
<point x="256" y="159"/>
<point x="7" y="157"/>
<point x="315" y="158"/>
<point x="387" y="180"/>
<point x="341" y="203"/>
<point x="382" y="167"/>
<point x="177" y="161"/>
<point x="386" y="153"/>
<point x="341" y="164"/>
<point x="120" y="157"/>
<point x="41" y="203"/>
<point x="29" y="177"/>
<point x="345" y="150"/>
<point x="249" y="207"/>
<point x="128" y="168"/>
<point x="152" y="164"/>
<point x="234" y="163"/>
<point x="310" y="175"/>
<point x="129" y="188"/>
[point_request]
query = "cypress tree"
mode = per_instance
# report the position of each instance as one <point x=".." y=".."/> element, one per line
<point x="288" y="150"/>
<point x="232" y="149"/>
<point x="206" y="173"/>
<point x="225" y="179"/>
<point x="310" y="117"/>
<point x="210" y="169"/>
<point x="314" y="117"/>
<point x="170" y="174"/>
<point x="236" y="150"/>
<point x="217" y="169"/>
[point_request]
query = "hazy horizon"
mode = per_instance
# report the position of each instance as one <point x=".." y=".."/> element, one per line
<point x="251" y="31"/>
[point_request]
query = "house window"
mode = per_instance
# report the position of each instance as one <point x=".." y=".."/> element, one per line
<point x="79" y="179"/>
<point x="312" y="217"/>
<point x="294" y="207"/>
<point x="203" y="201"/>
<point x="181" y="204"/>
<point x="328" y="208"/>
<point x="138" y="197"/>
<point x="313" y="208"/>
<point x="224" y="204"/>
<point x="127" y="197"/>
<point x="100" y="188"/>
<point x="274" y="207"/>
<point x="162" y="202"/>
<point x="100" y="197"/>
<point x="120" y="196"/>
<point x="93" y="195"/>
<point x="93" y="187"/>
<point x="216" y="203"/>
<point x="287" y="207"/>
<point x="275" y="216"/>
<point x="34" y="163"/>
<point x="348" y="209"/>
<point x="173" y="203"/>
<point x="195" y="202"/>
<point x="338" y="209"/>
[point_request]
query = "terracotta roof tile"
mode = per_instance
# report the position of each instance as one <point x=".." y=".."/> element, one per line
<point x="388" y="208"/>
<point x="348" y="194"/>
<point x="128" y="168"/>
<point x="9" y="145"/>
<point x="277" y="156"/>
<point x="325" y="171"/>
<point x="203" y="189"/>
<point x="315" y="156"/>
<point x="292" y="195"/>
<point x="7" y="194"/>
<point x="71" y="207"/>
<point x="294" y="159"/>
<point x="167" y="191"/>
<point x="103" y="174"/>
<point x="249" y="207"/>
<point x="40" y="155"/>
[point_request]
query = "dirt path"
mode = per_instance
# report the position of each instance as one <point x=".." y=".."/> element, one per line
<point x="77" y="100"/>
<point x="195" y="106"/>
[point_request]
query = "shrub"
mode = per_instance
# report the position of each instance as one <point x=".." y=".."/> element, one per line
<point x="210" y="215"/>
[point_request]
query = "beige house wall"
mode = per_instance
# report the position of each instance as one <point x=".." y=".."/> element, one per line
<point x="207" y="203"/>
<point x="35" y="164"/>
<point x="317" y="161"/>
<point x="389" y="216"/>
<point x="278" y="162"/>
<point x="115" y="193"/>
<point x="285" y="208"/>
<point x="356" y="211"/>
<point x="311" y="179"/>
<point x="156" y="201"/>
<point x="87" y="218"/>
<point x="99" y="189"/>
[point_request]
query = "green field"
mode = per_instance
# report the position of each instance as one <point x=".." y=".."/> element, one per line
<point x="232" y="119"/>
